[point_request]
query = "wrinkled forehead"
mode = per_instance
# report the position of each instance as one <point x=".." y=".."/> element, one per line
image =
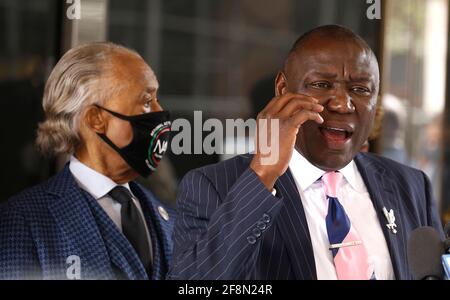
<point x="148" y="78"/>
<point x="333" y="56"/>
<point x="133" y="69"/>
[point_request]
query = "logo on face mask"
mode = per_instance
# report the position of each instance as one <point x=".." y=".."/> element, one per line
<point x="159" y="140"/>
<point x="151" y="135"/>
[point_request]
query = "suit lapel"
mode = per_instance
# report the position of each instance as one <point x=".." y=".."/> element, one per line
<point x="87" y="225"/>
<point x="384" y="194"/>
<point x="154" y="221"/>
<point x="75" y="219"/>
<point x="294" y="229"/>
<point x="121" y="252"/>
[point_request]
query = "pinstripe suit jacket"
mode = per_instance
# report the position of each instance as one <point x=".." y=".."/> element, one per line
<point x="44" y="225"/>
<point x="230" y="226"/>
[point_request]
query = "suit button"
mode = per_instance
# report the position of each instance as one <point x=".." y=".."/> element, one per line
<point x="261" y="225"/>
<point x="256" y="232"/>
<point x="266" y="218"/>
<point x="251" y="239"/>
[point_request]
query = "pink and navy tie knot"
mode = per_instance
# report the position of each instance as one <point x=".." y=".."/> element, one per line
<point x="331" y="181"/>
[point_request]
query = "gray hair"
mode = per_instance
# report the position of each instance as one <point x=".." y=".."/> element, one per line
<point x="74" y="84"/>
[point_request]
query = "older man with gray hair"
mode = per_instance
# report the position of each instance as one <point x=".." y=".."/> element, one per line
<point x="91" y="221"/>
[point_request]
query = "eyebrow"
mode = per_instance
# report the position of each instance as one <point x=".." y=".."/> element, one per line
<point x="360" y="78"/>
<point x="148" y="91"/>
<point x="357" y="78"/>
<point x="151" y="89"/>
<point x="321" y="74"/>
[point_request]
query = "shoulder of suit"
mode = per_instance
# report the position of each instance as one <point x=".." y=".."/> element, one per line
<point x="396" y="168"/>
<point x="31" y="199"/>
<point x="231" y="167"/>
<point x="21" y="206"/>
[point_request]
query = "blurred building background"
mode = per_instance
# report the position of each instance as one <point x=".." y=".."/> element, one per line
<point x="220" y="57"/>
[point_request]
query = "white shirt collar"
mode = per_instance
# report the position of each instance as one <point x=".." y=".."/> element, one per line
<point x="93" y="182"/>
<point x="305" y="173"/>
<point x="353" y="177"/>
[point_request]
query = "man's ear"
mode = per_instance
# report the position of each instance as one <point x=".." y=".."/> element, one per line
<point x="280" y="84"/>
<point x="95" y="120"/>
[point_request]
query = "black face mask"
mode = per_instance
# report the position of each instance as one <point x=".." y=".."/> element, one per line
<point x="151" y="136"/>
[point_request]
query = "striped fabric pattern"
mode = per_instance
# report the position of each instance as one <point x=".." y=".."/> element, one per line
<point x="229" y="226"/>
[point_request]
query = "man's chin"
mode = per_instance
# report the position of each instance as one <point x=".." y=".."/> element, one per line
<point x="125" y="175"/>
<point x="327" y="159"/>
<point x="331" y="161"/>
<point x="132" y="174"/>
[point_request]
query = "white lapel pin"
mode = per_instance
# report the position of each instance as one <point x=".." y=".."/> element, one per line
<point x="391" y="220"/>
<point x="163" y="213"/>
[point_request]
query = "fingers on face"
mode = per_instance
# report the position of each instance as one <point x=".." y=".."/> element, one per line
<point x="293" y="107"/>
<point x="301" y="117"/>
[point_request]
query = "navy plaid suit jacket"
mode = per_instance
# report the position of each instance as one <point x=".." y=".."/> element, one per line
<point x="44" y="225"/>
<point x="230" y="226"/>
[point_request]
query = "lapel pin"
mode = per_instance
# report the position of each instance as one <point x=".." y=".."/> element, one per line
<point x="391" y="220"/>
<point x="163" y="213"/>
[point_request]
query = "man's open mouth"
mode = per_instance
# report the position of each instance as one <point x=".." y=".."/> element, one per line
<point x="336" y="135"/>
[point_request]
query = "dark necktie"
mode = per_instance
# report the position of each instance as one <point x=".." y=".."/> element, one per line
<point x="133" y="226"/>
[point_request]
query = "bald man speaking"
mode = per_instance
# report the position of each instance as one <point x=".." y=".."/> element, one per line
<point x="323" y="210"/>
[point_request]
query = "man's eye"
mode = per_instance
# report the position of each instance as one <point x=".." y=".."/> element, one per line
<point x="148" y="105"/>
<point x="321" y="85"/>
<point x="361" y="90"/>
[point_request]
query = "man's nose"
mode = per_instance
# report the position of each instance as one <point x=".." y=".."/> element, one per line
<point x="156" y="106"/>
<point x="341" y="102"/>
